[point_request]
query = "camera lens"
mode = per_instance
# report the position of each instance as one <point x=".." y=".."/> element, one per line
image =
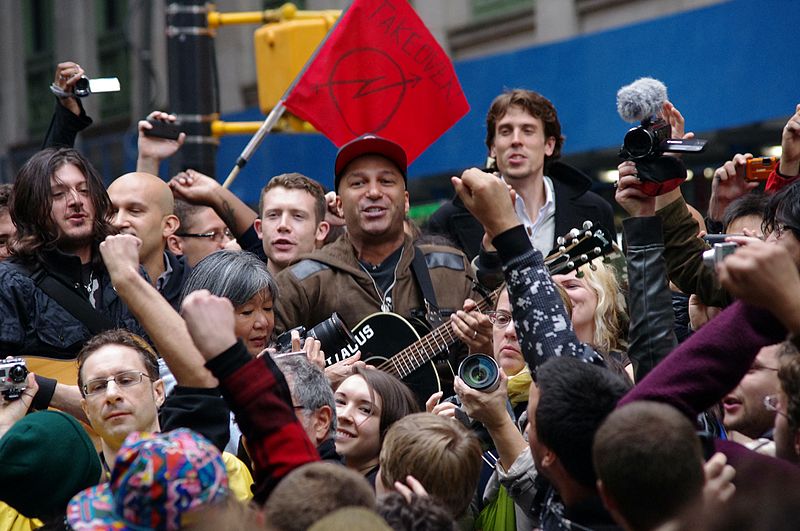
<point x="638" y="142"/>
<point x="17" y="373"/>
<point x="332" y="333"/>
<point x="82" y="87"/>
<point x="480" y="372"/>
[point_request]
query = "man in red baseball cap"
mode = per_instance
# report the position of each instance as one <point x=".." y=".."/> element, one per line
<point x="370" y="268"/>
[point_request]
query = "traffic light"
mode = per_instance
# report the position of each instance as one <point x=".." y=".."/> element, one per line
<point x="282" y="50"/>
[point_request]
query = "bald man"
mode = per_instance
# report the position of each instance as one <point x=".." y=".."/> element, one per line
<point x="144" y="207"/>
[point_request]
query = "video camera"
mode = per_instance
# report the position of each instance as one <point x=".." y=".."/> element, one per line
<point x="85" y="86"/>
<point x="642" y="101"/>
<point x="653" y="138"/>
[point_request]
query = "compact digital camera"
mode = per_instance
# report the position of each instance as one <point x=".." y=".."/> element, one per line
<point x="13" y="374"/>
<point x="717" y="254"/>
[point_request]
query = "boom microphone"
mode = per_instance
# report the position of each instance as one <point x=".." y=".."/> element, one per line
<point x="645" y="144"/>
<point x="641" y="99"/>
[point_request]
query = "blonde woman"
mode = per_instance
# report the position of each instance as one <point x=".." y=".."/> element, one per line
<point x="598" y="312"/>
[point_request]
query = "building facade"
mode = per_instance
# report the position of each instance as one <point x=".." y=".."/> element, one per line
<point x="725" y="67"/>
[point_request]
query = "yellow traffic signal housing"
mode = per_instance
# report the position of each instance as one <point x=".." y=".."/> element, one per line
<point x="282" y="50"/>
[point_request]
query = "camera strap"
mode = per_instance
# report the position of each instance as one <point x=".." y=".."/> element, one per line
<point x="76" y="305"/>
<point x="58" y="91"/>
<point x="420" y="269"/>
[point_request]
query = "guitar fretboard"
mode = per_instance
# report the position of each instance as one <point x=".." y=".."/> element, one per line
<point x="576" y="248"/>
<point x="440" y="339"/>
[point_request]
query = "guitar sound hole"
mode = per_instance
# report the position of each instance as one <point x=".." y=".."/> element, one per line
<point x="375" y="360"/>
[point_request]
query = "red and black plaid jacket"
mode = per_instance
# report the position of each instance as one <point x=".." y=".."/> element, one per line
<point x="259" y="397"/>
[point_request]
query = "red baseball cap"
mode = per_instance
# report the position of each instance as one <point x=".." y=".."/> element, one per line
<point x="369" y="144"/>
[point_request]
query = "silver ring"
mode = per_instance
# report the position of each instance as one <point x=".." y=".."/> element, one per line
<point x="475" y="334"/>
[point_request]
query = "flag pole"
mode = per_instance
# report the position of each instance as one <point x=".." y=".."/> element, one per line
<point x="276" y="112"/>
<point x="272" y="118"/>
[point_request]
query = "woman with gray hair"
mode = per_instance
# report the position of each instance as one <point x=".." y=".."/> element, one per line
<point x="243" y="279"/>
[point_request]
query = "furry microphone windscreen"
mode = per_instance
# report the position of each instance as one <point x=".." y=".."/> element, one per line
<point x="641" y="99"/>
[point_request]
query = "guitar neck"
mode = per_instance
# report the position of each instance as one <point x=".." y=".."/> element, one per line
<point x="439" y="339"/>
<point x="576" y="248"/>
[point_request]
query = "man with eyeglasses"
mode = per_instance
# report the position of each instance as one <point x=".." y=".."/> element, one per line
<point x="744" y="410"/>
<point x="786" y="405"/>
<point x="291" y="209"/>
<point x="122" y="393"/>
<point x="201" y="232"/>
<point x="144" y="206"/>
<point x="313" y="402"/>
<point x="121" y="390"/>
<point x="767" y="275"/>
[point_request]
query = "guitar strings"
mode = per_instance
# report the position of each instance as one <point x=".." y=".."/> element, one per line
<point x="414" y="356"/>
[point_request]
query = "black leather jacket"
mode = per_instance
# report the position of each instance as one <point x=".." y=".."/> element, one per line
<point x="651" y="335"/>
<point x="31" y="323"/>
<point x="575" y="203"/>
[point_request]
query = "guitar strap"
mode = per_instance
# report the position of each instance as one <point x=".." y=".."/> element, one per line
<point x="76" y="305"/>
<point x="420" y="268"/>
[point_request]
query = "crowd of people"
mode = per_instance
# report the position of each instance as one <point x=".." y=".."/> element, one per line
<point x="654" y="392"/>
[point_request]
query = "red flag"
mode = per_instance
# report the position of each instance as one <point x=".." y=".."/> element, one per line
<point x="380" y="71"/>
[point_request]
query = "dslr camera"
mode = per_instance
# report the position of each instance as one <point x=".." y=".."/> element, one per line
<point x="13" y="374"/>
<point x="332" y="333"/>
<point x="480" y="372"/>
<point x="653" y="138"/>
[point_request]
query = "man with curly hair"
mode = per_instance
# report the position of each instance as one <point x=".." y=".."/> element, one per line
<point x="56" y="291"/>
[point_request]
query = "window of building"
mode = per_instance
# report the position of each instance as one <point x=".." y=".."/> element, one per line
<point x="38" y="20"/>
<point x="497" y="8"/>
<point x="113" y="56"/>
<point x="494" y="25"/>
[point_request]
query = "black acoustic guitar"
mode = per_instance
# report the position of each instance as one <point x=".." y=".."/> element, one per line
<point x="391" y="343"/>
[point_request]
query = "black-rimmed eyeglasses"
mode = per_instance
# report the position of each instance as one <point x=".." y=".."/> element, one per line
<point x="781" y="228"/>
<point x="215" y="235"/>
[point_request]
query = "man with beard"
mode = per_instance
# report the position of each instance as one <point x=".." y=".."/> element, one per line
<point x="56" y="291"/>
<point x="745" y="412"/>
<point x="61" y="212"/>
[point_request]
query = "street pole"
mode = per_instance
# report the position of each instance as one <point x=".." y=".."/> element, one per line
<point x="192" y="83"/>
